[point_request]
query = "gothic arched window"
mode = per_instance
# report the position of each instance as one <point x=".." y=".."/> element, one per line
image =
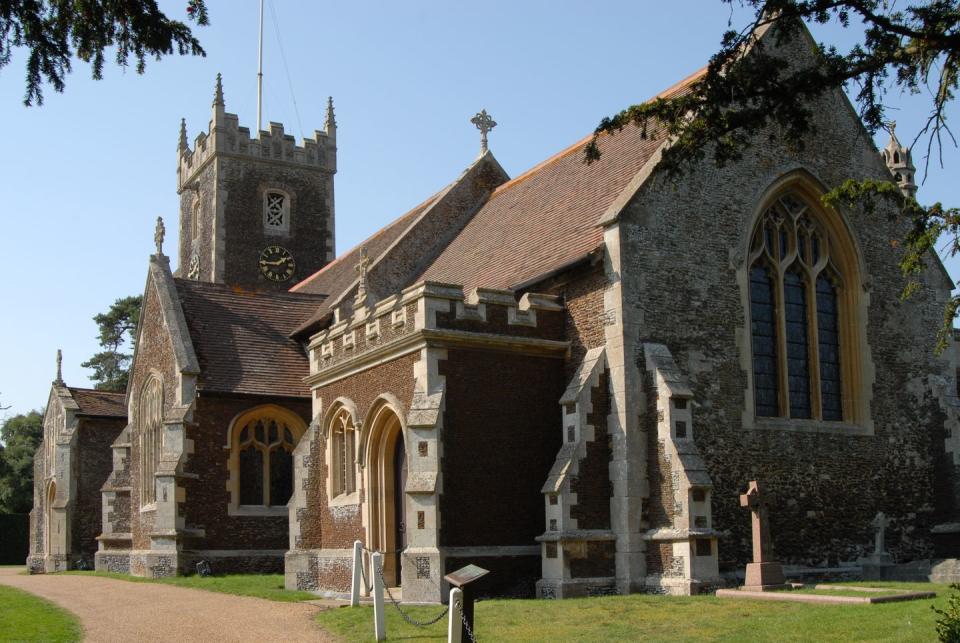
<point x="342" y="445"/>
<point x="261" y="458"/>
<point x="798" y="314"/>
<point x="150" y="430"/>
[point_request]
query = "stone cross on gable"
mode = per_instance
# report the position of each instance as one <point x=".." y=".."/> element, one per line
<point x="880" y="523"/>
<point x="758" y="502"/>
<point x="59" y="380"/>
<point x="361" y="267"/>
<point x="158" y="235"/>
<point x="484" y="123"/>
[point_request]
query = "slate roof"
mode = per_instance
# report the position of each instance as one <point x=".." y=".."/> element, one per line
<point x="99" y="403"/>
<point x="241" y="338"/>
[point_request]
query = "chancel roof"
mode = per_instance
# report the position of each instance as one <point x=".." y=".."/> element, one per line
<point x="99" y="403"/>
<point x="241" y="337"/>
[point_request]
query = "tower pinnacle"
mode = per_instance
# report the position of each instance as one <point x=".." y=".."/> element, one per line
<point x="184" y="144"/>
<point x="899" y="161"/>
<point x="330" y="124"/>
<point x="218" y="92"/>
<point x="59" y="380"/>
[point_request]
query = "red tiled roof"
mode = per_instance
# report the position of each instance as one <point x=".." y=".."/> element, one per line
<point x="338" y="275"/>
<point x="547" y="216"/>
<point x="241" y="338"/>
<point x="99" y="403"/>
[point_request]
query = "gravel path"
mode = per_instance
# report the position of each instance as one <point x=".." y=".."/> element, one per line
<point x="116" y="610"/>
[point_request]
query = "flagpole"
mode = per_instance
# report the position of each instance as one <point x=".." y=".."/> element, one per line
<point x="260" y="76"/>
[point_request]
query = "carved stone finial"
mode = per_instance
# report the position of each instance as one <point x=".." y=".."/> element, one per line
<point x="59" y="380"/>
<point x="362" y="265"/>
<point x="184" y="145"/>
<point x="331" y="122"/>
<point x="158" y="236"/>
<point x="484" y="123"/>
<point x="218" y="93"/>
<point x="899" y="161"/>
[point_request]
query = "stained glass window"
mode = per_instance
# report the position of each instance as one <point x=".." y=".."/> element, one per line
<point x="764" y="325"/>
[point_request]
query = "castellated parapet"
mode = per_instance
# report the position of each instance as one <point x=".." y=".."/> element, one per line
<point x="226" y="137"/>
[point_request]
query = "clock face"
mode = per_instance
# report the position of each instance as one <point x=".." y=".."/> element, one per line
<point x="276" y="263"/>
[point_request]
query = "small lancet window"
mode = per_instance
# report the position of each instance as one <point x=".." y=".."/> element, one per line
<point x="796" y="315"/>
<point x="342" y="441"/>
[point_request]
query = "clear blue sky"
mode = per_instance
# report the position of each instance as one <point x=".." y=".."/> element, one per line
<point x="85" y="176"/>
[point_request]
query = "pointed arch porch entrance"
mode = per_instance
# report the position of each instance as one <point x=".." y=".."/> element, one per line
<point x="386" y="467"/>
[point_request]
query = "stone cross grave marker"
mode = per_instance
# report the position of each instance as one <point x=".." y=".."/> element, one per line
<point x="763" y="573"/>
<point x="880" y="523"/>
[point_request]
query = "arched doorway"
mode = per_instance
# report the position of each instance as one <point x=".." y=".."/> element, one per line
<point x="51" y="496"/>
<point x="386" y="463"/>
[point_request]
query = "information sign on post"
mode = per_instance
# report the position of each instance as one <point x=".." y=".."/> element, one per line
<point x="465" y="579"/>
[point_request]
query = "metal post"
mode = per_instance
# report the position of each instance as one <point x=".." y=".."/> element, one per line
<point x="455" y="622"/>
<point x="380" y="624"/>
<point x="260" y="76"/>
<point x="357" y="574"/>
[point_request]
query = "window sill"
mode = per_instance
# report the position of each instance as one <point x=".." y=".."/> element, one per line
<point x="810" y="426"/>
<point x="147" y="508"/>
<point x="345" y="499"/>
<point x="257" y="511"/>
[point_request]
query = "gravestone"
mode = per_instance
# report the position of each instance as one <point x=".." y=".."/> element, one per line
<point x="878" y="565"/>
<point x="763" y="574"/>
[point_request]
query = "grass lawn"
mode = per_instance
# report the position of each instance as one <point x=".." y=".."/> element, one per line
<point x="268" y="586"/>
<point x="25" y="617"/>
<point x="665" y="618"/>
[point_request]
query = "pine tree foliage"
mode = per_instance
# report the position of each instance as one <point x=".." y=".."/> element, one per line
<point x="53" y="32"/>
<point x="748" y="90"/>
<point x="117" y="326"/>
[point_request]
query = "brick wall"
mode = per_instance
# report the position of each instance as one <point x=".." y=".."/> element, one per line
<point x="94" y="462"/>
<point x="592" y="483"/>
<point x="328" y="527"/>
<point x="207" y="497"/>
<point x="501" y="433"/>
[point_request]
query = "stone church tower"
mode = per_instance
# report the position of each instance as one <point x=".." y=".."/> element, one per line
<point x="255" y="212"/>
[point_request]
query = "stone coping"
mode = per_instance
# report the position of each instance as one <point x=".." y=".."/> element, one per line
<point x="824" y="599"/>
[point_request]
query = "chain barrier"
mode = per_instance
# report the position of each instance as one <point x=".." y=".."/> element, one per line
<point x="466" y="626"/>
<point x="367" y="586"/>
<point x="404" y="615"/>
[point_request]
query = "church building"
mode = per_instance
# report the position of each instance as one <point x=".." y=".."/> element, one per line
<point x="566" y="377"/>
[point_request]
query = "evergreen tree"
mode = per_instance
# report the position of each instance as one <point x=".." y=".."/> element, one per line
<point x="111" y="366"/>
<point x="54" y="31"/>
<point x="21" y="435"/>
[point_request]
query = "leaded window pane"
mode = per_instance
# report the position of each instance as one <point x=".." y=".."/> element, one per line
<point x="251" y="477"/>
<point x="828" y="340"/>
<point x="764" y="330"/>
<point x="798" y="356"/>
<point x="281" y="476"/>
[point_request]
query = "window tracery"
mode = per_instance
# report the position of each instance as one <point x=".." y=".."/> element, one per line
<point x="276" y="211"/>
<point x="261" y="446"/>
<point x="797" y="314"/>
<point x="150" y="429"/>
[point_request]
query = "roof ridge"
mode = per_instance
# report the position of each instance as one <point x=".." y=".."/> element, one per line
<point x="242" y="291"/>
<point x="97" y="391"/>
<point x="572" y="148"/>
<point x="377" y="233"/>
